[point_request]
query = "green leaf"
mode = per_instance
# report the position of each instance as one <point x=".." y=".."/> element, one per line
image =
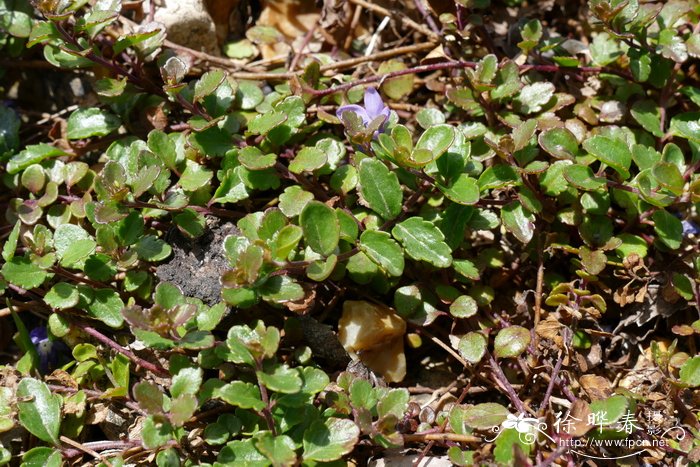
<point x="395" y="88"/>
<point x="612" y="152"/>
<point x="321" y="269"/>
<point x="282" y="379"/>
<point x="463" y="190"/>
<point x="464" y="306"/>
<point x="248" y="95"/>
<point x="690" y="372"/>
<point x="437" y="140"/>
<point x="485" y="416"/>
<point x="429" y="117"/>
<point x="383" y="250"/>
<point x="149" y="397"/>
<point x="242" y="453"/>
<point x="107" y="307"/>
<point x="243" y="395"/>
<point x="321" y="228"/>
<point x="559" y="142"/>
<point x="669" y="177"/>
<point x="294" y="199"/>
<point x="472" y="347"/>
<point x="22" y="272"/>
<point x="191" y="223"/>
<point x="631" y="244"/>
<point x="307" y="160"/>
<point x="592" y="260"/>
<point x="209" y="318"/>
<point x="62" y="295"/>
<point x="262" y="124"/>
<point x="582" y="177"/>
<point x="534" y="96"/>
<point x="669" y="229"/>
<point x="77" y="252"/>
<point x="380" y="188"/>
<point x="511" y="341"/>
<point x="252" y="158"/>
<point x="66" y="235"/>
<point x="395" y="402"/>
<point x="39" y="410"/>
<point x="186" y="381"/>
<point x="552" y="179"/>
<point x="87" y="122"/>
<point x="610" y="410"/>
<point x="280" y="450"/>
<point x="505" y="446"/>
<point x="683" y="285"/>
<point x="647" y="114"/>
<point x="42" y="456"/>
<point x="207" y="84"/>
<point x="466" y="268"/>
<point x="10" y="246"/>
<point x="518" y="221"/>
<point x="604" y="49"/>
<point x="329" y="440"/>
<point x="423" y="241"/>
<point x="687" y="125"/>
<point x="497" y="176"/>
<point x="151" y="248"/>
<point x="195" y="176"/>
<point x="281" y="289"/>
<point x="155" y="433"/>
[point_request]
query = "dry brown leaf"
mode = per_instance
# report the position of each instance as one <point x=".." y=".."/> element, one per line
<point x="550" y="329"/>
<point x="578" y="414"/>
<point x="596" y="386"/>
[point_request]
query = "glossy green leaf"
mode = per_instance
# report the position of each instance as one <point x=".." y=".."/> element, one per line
<point x="511" y="341"/>
<point x="559" y="142"/>
<point x="472" y="347"/>
<point x="583" y="178"/>
<point x="423" y="241"/>
<point x="463" y="190"/>
<point x="88" y="122"/>
<point x="647" y="114"/>
<point x="383" y="250"/>
<point x="518" y="221"/>
<point x="39" y="410"/>
<point x="380" y="188"/>
<point x="320" y="227"/>
<point x="329" y="440"/>
<point x="612" y="152"/>
<point x="669" y="229"/>
<point x="241" y="394"/>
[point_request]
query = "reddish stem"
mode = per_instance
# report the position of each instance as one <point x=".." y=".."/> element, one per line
<point x="126" y="352"/>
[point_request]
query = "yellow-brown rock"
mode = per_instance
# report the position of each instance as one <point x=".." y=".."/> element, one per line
<point x="374" y="333"/>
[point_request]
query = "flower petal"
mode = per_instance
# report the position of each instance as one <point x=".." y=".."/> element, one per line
<point x="360" y="111"/>
<point x="374" y="103"/>
<point x="38" y="334"/>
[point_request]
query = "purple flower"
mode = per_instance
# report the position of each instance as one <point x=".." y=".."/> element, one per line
<point x="690" y="228"/>
<point x="50" y="352"/>
<point x="374" y="108"/>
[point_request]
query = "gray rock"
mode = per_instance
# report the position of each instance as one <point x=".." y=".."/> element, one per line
<point x="188" y="23"/>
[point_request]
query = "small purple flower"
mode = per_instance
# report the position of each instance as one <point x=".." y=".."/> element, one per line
<point x="50" y="352"/>
<point x="690" y="228"/>
<point x="374" y="108"/>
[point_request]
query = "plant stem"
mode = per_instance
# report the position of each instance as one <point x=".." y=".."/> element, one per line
<point x="267" y="410"/>
<point x="501" y="378"/>
<point x="126" y="352"/>
<point x="459" y="64"/>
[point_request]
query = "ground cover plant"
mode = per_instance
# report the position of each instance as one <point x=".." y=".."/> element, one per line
<point x="458" y="231"/>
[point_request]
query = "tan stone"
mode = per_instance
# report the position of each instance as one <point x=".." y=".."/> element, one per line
<point x="374" y="334"/>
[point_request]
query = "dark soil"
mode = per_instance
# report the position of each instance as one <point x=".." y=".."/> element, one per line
<point x="196" y="265"/>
